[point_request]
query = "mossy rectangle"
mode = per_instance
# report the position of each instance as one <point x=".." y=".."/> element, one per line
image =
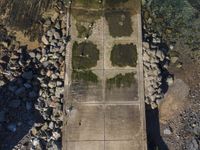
<point x="84" y="55"/>
<point x="124" y="55"/>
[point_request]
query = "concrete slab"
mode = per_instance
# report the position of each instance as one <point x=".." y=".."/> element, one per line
<point x="122" y="123"/>
<point x="86" y="123"/>
<point x="86" y="145"/>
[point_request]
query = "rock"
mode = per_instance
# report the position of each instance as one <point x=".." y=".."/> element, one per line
<point x="27" y="75"/>
<point x="20" y="91"/>
<point x="12" y="127"/>
<point x="47" y="23"/>
<point x="59" y="83"/>
<point x="57" y="35"/>
<point x="44" y="40"/>
<point x="49" y="33"/>
<point x="59" y="91"/>
<point x="38" y="56"/>
<point x="34" y="131"/>
<point x="36" y="142"/>
<point x="167" y="131"/>
<point x="54" y="17"/>
<point x="57" y="25"/>
<point x="51" y="125"/>
<point x="27" y="85"/>
<point x="32" y="54"/>
<point x="2" y="116"/>
<point x="160" y="55"/>
<point x="28" y="105"/>
<point x="14" y="103"/>
<point x="56" y="135"/>
<point x="179" y="65"/>
<point x="170" y="80"/>
<point x="194" y="145"/>
<point x="52" y="84"/>
<point x="174" y="59"/>
<point x="2" y="83"/>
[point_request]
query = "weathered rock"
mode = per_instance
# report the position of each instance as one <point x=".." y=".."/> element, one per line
<point x="57" y="35"/>
<point x="2" y="116"/>
<point x="20" y="91"/>
<point x="14" y="103"/>
<point x="12" y="127"/>
<point x="174" y="59"/>
<point x="45" y="40"/>
<point x="27" y="75"/>
<point x="167" y="131"/>
<point x="170" y="80"/>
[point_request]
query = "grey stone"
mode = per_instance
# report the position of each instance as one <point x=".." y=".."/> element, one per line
<point x="57" y="25"/>
<point x="32" y="94"/>
<point x="49" y="33"/>
<point x="59" y="91"/>
<point x="167" y="131"/>
<point x="28" y="105"/>
<point x="27" y="85"/>
<point x="174" y="59"/>
<point x="12" y="127"/>
<point x="51" y="125"/>
<point x="38" y="56"/>
<point x="2" y="116"/>
<point x="45" y="64"/>
<point x="52" y="84"/>
<point x="2" y="82"/>
<point x="194" y="145"/>
<point x="32" y="54"/>
<point x="57" y="35"/>
<point x="14" y="103"/>
<point x="20" y="91"/>
<point x="59" y="83"/>
<point x="170" y="80"/>
<point x="27" y="75"/>
<point x="45" y="40"/>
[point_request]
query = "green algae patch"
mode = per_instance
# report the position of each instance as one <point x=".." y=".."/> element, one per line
<point x="84" y="75"/>
<point x="120" y="80"/>
<point x="119" y="23"/>
<point x="124" y="55"/>
<point x="84" y="55"/>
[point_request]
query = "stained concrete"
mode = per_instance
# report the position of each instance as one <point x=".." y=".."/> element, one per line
<point x="99" y="118"/>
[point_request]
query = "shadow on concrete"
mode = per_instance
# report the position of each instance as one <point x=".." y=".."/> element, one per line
<point x="17" y="99"/>
<point x="155" y="141"/>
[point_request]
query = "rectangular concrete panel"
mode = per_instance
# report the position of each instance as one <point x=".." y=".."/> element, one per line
<point x="86" y="123"/>
<point x="122" y="122"/>
<point x="86" y="145"/>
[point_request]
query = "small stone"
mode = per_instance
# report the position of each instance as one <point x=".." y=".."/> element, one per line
<point x="14" y="103"/>
<point x="170" y="80"/>
<point x="54" y="17"/>
<point x="2" y="83"/>
<point x="57" y="25"/>
<point x="32" y="94"/>
<point x="2" y="116"/>
<point x="44" y="40"/>
<point x="179" y="65"/>
<point x="27" y="75"/>
<point x="56" y="135"/>
<point x="57" y="35"/>
<point x="34" y="131"/>
<point x="174" y="59"/>
<point x="59" y="83"/>
<point x="49" y="33"/>
<point x="38" y="56"/>
<point x="167" y="131"/>
<point x="32" y="54"/>
<point x="51" y="125"/>
<point x="27" y="85"/>
<point x="12" y="127"/>
<point x="28" y="105"/>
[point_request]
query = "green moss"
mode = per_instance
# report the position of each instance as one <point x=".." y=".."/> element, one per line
<point x="174" y="54"/>
<point x="89" y="3"/>
<point x="119" y="23"/>
<point x="85" y="75"/>
<point x="83" y="31"/>
<point x="113" y="2"/>
<point x="84" y="55"/>
<point x="124" y="55"/>
<point x="121" y="81"/>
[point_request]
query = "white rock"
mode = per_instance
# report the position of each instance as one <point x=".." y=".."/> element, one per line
<point x="44" y="40"/>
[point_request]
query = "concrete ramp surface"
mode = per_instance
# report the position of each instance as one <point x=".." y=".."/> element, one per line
<point x="104" y="95"/>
